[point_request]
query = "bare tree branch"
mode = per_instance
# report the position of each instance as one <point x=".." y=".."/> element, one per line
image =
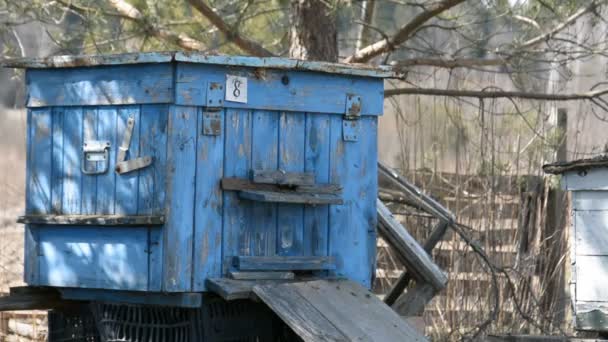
<point x="404" y="33"/>
<point x="495" y="94"/>
<point x="451" y="63"/>
<point x="130" y="12"/>
<point x="231" y="34"/>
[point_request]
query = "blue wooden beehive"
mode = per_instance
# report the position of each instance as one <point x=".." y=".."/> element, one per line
<point x="156" y="172"/>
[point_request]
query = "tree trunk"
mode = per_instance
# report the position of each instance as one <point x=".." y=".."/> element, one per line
<point x="314" y="35"/>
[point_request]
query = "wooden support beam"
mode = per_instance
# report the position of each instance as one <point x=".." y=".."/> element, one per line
<point x="415" y="258"/>
<point x="397" y="289"/>
<point x="413" y="301"/>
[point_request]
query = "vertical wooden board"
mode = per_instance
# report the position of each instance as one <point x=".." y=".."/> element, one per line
<point x="208" y="206"/>
<point x="38" y="183"/>
<point x="155" y="265"/>
<point x="178" y="230"/>
<point x="351" y="222"/>
<point x="72" y="154"/>
<point x="237" y="163"/>
<point x="89" y="182"/>
<point x="152" y="182"/>
<point x="106" y="182"/>
<point x="39" y="162"/>
<point x="316" y="218"/>
<point x="127" y="184"/>
<point x="290" y="217"/>
<point x="57" y="161"/>
<point x="153" y="142"/>
<point x="264" y="156"/>
<point x="368" y="193"/>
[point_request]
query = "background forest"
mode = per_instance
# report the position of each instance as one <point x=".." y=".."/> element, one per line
<point x="489" y="91"/>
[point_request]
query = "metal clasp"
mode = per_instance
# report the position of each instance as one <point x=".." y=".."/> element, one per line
<point x="93" y="153"/>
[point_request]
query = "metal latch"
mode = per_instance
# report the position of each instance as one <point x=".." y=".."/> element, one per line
<point x="95" y="152"/>
<point x="124" y="166"/>
<point x="352" y="113"/>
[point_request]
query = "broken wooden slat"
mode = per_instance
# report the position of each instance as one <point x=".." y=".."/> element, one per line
<point x="414" y="257"/>
<point x="261" y="275"/>
<point x="341" y="307"/>
<point x="397" y="289"/>
<point x="284" y="263"/>
<point x="281" y="177"/>
<point x="95" y="220"/>
<point x="293" y="197"/>
<point x="238" y="184"/>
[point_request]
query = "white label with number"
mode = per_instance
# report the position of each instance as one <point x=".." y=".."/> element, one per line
<point x="236" y="88"/>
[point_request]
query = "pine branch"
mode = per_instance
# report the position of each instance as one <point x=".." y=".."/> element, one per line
<point x="130" y="12"/>
<point x="404" y="33"/>
<point x="231" y="33"/>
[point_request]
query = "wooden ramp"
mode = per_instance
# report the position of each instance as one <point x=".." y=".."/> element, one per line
<point x="335" y="310"/>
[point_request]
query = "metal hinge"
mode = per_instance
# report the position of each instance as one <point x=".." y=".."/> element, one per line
<point x="212" y="118"/>
<point x="124" y="166"/>
<point x="350" y="122"/>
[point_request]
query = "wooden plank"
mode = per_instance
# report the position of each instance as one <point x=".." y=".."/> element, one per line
<point x="415" y="258"/>
<point x="591" y="233"/>
<point x="72" y="154"/>
<point x="108" y="257"/>
<point x="208" y="206"/>
<point x="127" y="191"/>
<point x="290" y="216"/>
<point x="299" y="314"/>
<point x="237" y="184"/>
<point x="153" y="142"/>
<point x="589" y="200"/>
<point x="352" y="236"/>
<point x="106" y="182"/>
<point x="350" y="309"/>
<point x="316" y="218"/>
<point x="592" y="179"/>
<point x="237" y="163"/>
<point x="399" y="286"/>
<point x="178" y="232"/>
<point x="287" y="197"/>
<point x="264" y="155"/>
<point x="282" y="176"/>
<point x="108" y="85"/>
<point x="89" y="182"/>
<point x="591" y="277"/>
<point x="306" y="92"/>
<point x="267" y="275"/>
<point x="283" y="263"/>
<point x="231" y="289"/>
<point x="151" y="188"/>
<point x="180" y="299"/>
<point x="95" y="220"/>
<point x="412" y="302"/>
<point x="37" y="299"/>
<point x="57" y="161"/>
<point x="38" y="184"/>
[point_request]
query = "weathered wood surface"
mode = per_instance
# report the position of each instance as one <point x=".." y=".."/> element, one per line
<point x="532" y="338"/>
<point x="237" y="184"/>
<point x="335" y="310"/>
<point x="32" y="298"/>
<point x="281" y="177"/>
<point x="109" y="85"/>
<point x="284" y="263"/>
<point x="231" y="289"/>
<point x="412" y="302"/>
<point x="415" y="258"/>
<point x="592" y="179"/>
<point x="262" y="275"/>
<point x="198" y="57"/>
<point x="97" y="220"/>
<point x="399" y="286"/>
<point x="290" y="197"/>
